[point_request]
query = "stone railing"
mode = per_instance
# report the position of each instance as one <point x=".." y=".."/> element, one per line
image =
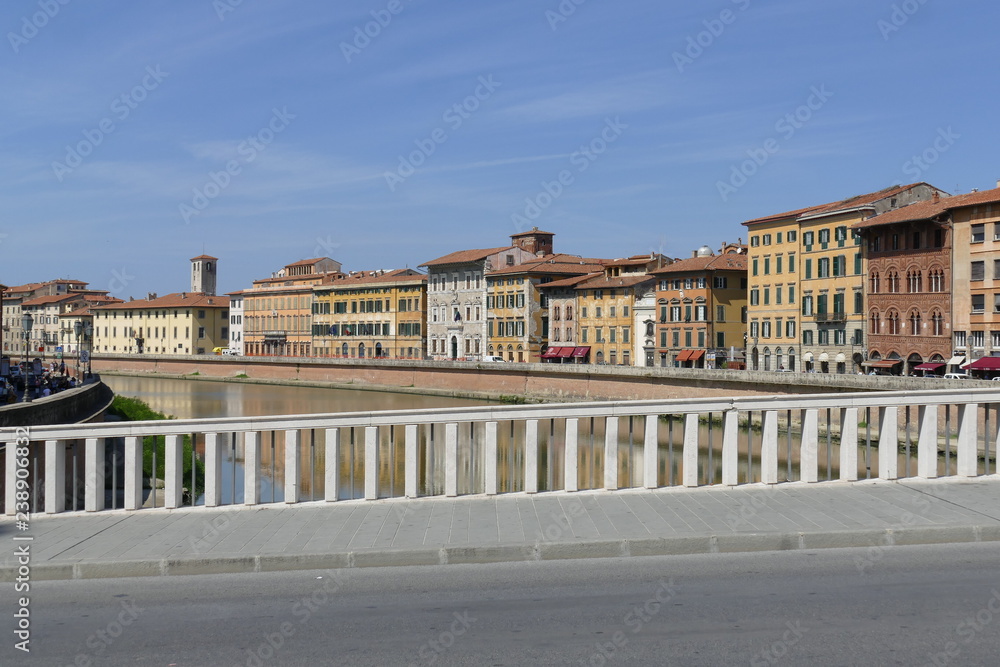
<point x="503" y="449"/>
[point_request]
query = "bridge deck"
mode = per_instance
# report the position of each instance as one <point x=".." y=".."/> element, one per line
<point x="511" y="527"/>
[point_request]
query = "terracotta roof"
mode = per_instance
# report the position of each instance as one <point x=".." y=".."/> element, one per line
<point x="375" y="278"/>
<point x="555" y="263"/>
<point x="45" y="300"/>
<point x="307" y="262"/>
<point x="839" y="205"/>
<point x="571" y="282"/>
<point x="728" y="262"/>
<point x="175" y="300"/>
<point x="79" y="312"/>
<point x="464" y="256"/>
<point x="601" y="281"/>
<point x="932" y="208"/>
<point x="634" y="260"/>
<point x="324" y="277"/>
<point x="203" y="257"/>
<point x="531" y="232"/>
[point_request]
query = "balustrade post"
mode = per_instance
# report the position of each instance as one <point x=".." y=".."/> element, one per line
<point x="213" y="469"/>
<point x="331" y="491"/>
<point x="611" y="453"/>
<point x="10" y="483"/>
<point x="173" y="472"/>
<point x="451" y="460"/>
<point x="411" y="471"/>
<point x="490" y="469"/>
<point x="55" y="476"/>
<point x="888" y="442"/>
<point x="968" y="434"/>
<point x="691" y="449"/>
<point x="93" y="472"/>
<point x="650" y="452"/>
<point x="731" y="448"/>
<point x="809" y="450"/>
<point x="371" y="463"/>
<point x="769" y="448"/>
<point x="133" y="473"/>
<point x="927" y="442"/>
<point x="251" y="467"/>
<point x="531" y="456"/>
<point x="293" y="465"/>
<point x="848" y="444"/>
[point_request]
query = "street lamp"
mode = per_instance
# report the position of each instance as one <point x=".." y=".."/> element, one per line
<point x="26" y="323"/>
<point x="78" y="330"/>
<point x="89" y="331"/>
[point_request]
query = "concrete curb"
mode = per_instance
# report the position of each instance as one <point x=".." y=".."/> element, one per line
<point x="669" y="546"/>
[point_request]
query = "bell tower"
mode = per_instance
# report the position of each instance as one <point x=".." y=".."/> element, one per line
<point x="204" y="270"/>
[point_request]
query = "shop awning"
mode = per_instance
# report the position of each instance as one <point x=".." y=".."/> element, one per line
<point x="929" y="366"/>
<point x="581" y="351"/>
<point x="985" y="364"/>
<point x="566" y="352"/>
<point x="684" y="355"/>
<point x="956" y="361"/>
<point x="696" y="355"/>
<point x="883" y="363"/>
<point x="552" y="352"/>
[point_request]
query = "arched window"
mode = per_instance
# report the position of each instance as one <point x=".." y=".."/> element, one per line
<point x="555" y="313"/>
<point x="569" y="312"/>
<point x="873" y="322"/>
<point x="892" y="281"/>
<point x="873" y="281"/>
<point x="914" y="323"/>
<point x="937" y="323"/>
<point x="915" y="281"/>
<point x="892" y="317"/>
<point x="935" y="278"/>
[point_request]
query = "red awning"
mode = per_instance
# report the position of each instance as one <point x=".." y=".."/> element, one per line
<point x="696" y="355"/>
<point x="566" y="352"/>
<point x="984" y="364"/>
<point x="883" y="363"/>
<point x="930" y="366"/>
<point x="684" y="355"/>
<point x="581" y="351"/>
<point x="552" y="352"/>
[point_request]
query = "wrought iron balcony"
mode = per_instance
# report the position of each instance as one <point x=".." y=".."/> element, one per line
<point x="839" y="316"/>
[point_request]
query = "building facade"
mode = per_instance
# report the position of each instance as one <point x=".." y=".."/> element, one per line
<point x="702" y="308"/>
<point x="371" y="314"/>
<point x="181" y="323"/>
<point x="236" y="323"/>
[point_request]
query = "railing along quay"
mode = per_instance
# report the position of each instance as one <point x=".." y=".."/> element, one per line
<point x="503" y="449"/>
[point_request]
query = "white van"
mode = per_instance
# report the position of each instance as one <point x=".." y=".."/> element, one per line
<point x="488" y="359"/>
<point x="956" y="376"/>
<point x="230" y="352"/>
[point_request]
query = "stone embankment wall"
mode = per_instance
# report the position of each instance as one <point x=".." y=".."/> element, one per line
<point x="532" y="381"/>
<point x="82" y="404"/>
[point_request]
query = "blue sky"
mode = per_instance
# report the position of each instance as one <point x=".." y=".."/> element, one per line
<point x="136" y="135"/>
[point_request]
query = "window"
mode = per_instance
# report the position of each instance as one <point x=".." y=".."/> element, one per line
<point x="790" y="329"/>
<point x="807" y="240"/>
<point x="626" y="335"/>
<point x="807" y="305"/>
<point x="937" y="323"/>
<point x="840" y="235"/>
<point x="824" y="337"/>
<point x="824" y="237"/>
<point x="978" y="303"/>
<point x="754" y="241"/>
<point x="777" y="263"/>
<point x="767" y="239"/>
<point x="915" y="281"/>
<point x="676" y="338"/>
<point x="840" y="265"/>
<point x="767" y="266"/>
<point x="915" y="323"/>
<point x="859" y="299"/>
<point x="807" y="337"/>
<point x="960" y="339"/>
<point x="675" y="313"/>
<point x="754" y="329"/>
<point x="791" y="236"/>
<point x="791" y="294"/>
<point x="840" y="336"/>
<point x="613" y="335"/>
<point x="754" y="297"/>
<point x="996" y="269"/>
<point x="977" y="339"/>
<point x="892" y="281"/>
<point x="765" y="329"/>
<point x="978" y="271"/>
<point x="777" y="295"/>
<point x="201" y="332"/>
<point x="822" y="268"/>
<point x="857" y="264"/>
<point x="777" y="237"/>
<point x="978" y="233"/>
<point x="996" y="303"/>
<point x="767" y="296"/>
<point x="935" y="279"/>
<point x="892" y="320"/>
<point x="721" y="282"/>
<point x="791" y="262"/>
<point x="720" y="313"/>
<point x="701" y="313"/>
<point x="809" y="269"/>
<point x="755" y="266"/>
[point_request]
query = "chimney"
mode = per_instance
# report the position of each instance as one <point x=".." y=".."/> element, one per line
<point x="998" y="182"/>
<point x="937" y="196"/>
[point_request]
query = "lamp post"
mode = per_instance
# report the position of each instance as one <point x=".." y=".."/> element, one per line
<point x="89" y="335"/>
<point x="78" y="330"/>
<point x="26" y="323"/>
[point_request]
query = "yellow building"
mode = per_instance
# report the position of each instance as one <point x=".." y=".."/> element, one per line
<point x="180" y="323"/>
<point x="605" y="304"/>
<point x="806" y="306"/>
<point x="277" y="311"/>
<point x="371" y="314"/>
<point x="518" y="326"/>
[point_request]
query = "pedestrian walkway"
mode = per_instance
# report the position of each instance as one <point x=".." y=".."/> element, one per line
<point x="479" y="529"/>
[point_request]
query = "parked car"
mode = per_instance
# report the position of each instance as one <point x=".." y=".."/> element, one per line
<point x="229" y="352"/>
<point x="956" y="376"/>
<point x="493" y="359"/>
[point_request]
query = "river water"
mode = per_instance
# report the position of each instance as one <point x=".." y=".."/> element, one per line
<point x="208" y="399"/>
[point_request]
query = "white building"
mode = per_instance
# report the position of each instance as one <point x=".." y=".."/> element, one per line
<point x="236" y="323"/>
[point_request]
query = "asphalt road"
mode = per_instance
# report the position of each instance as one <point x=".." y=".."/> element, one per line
<point x="937" y="605"/>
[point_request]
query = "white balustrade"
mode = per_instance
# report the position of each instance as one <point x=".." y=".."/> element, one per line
<point x="574" y="429"/>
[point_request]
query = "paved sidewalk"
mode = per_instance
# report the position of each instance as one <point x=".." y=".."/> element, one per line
<point x="477" y="529"/>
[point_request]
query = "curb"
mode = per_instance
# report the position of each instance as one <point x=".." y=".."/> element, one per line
<point x="540" y="551"/>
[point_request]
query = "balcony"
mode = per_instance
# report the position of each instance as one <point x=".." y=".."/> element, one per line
<point x="839" y="316"/>
<point x="275" y="335"/>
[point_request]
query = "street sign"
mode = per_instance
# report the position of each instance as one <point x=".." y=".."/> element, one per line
<point x="85" y="357"/>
